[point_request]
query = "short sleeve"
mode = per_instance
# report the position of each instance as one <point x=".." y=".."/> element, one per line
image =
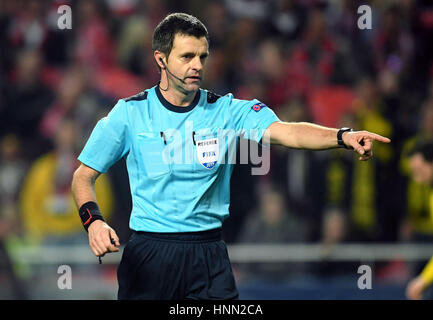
<point x="108" y="141"/>
<point x="251" y="118"/>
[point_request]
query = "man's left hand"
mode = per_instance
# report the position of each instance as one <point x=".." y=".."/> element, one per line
<point x="362" y="142"/>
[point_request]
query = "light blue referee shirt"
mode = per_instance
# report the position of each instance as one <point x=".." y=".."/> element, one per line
<point x="179" y="159"/>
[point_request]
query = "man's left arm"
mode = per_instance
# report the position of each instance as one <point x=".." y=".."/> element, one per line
<point x="304" y="135"/>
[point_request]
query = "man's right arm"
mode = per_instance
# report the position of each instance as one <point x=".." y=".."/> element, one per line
<point x="100" y="233"/>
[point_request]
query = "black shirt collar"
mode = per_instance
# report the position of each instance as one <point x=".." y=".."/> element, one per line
<point x="174" y="108"/>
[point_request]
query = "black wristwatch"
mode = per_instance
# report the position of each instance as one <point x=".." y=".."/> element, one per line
<point x="340" y="136"/>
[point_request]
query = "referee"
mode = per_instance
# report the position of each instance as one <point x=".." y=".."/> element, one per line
<point x="178" y="207"/>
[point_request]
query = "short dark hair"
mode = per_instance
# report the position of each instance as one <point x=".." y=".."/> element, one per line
<point x="176" y="23"/>
<point x="425" y="148"/>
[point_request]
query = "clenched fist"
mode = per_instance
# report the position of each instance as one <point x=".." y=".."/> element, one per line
<point x="100" y="236"/>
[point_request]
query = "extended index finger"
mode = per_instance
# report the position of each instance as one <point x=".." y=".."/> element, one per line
<point x="377" y="137"/>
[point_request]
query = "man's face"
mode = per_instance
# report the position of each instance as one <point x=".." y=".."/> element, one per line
<point x="422" y="170"/>
<point x="186" y="61"/>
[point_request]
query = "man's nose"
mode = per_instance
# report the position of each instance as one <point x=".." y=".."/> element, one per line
<point x="196" y="64"/>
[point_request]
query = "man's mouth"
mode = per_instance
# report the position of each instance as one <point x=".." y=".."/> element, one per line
<point x="194" y="77"/>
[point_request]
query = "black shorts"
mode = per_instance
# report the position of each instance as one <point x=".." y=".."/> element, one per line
<point x="176" y="266"/>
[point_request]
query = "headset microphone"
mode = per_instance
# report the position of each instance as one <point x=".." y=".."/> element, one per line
<point x="165" y="67"/>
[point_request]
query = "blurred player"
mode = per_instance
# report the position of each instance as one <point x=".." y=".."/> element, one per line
<point x="421" y="164"/>
<point x="176" y="251"/>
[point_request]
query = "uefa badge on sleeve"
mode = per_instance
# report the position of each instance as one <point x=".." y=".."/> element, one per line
<point x="208" y="152"/>
<point x="258" y="106"/>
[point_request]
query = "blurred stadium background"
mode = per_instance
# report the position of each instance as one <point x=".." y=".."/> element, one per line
<point x="300" y="232"/>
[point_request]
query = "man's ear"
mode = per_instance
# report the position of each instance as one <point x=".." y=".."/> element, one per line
<point x="159" y="58"/>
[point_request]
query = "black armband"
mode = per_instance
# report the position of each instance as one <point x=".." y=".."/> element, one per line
<point x="90" y="212"/>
